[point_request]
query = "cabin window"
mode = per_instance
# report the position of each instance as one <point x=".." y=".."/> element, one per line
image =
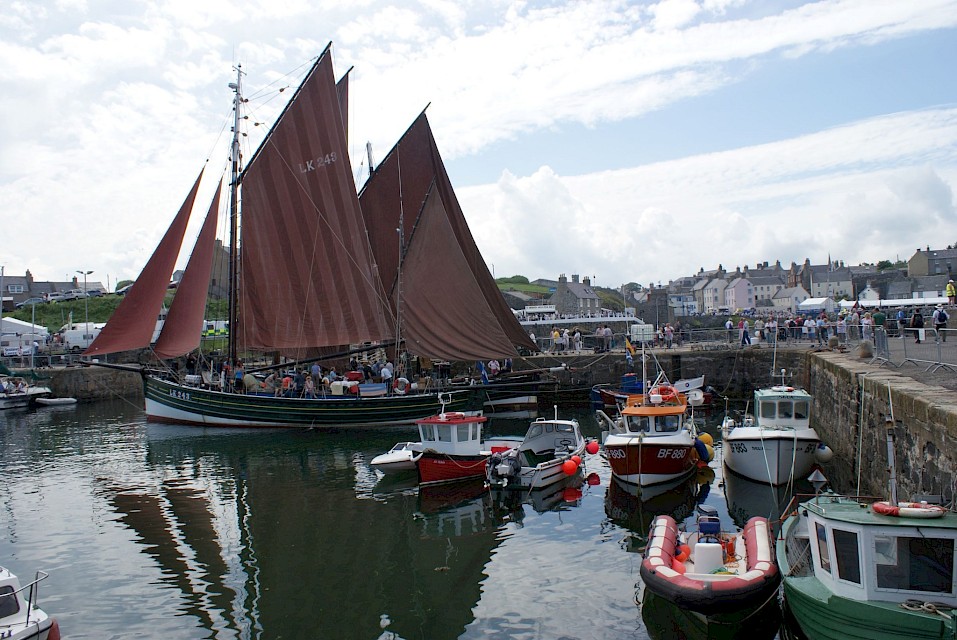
<point x="785" y="409"/>
<point x="427" y="433"/>
<point x="915" y="564"/>
<point x="668" y="424"/>
<point x="567" y="428"/>
<point x="637" y="424"/>
<point x="847" y="556"/>
<point x="8" y="602"/>
<point x="535" y="431"/>
<point x="549" y="427"/>
<point x="444" y="432"/>
<point x="464" y="432"/>
<point x="822" y="547"/>
<point x="768" y="410"/>
<point x="801" y="410"/>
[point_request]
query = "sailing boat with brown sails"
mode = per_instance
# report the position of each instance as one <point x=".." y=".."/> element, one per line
<point x="316" y="268"/>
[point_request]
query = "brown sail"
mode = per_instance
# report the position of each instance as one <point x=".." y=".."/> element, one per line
<point x="307" y="276"/>
<point x="133" y="323"/>
<point x="466" y="329"/>
<point x="183" y="328"/>
<point x="411" y="171"/>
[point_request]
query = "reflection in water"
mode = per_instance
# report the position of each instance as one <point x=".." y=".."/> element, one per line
<point x="747" y="498"/>
<point x="665" y="621"/>
<point x="164" y="531"/>
<point x="635" y="508"/>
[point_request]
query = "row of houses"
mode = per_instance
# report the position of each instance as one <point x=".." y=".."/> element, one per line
<point x="763" y="288"/>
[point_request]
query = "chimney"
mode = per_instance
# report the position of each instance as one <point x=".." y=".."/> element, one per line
<point x="586" y="281"/>
<point x="575" y="278"/>
<point x="29" y="279"/>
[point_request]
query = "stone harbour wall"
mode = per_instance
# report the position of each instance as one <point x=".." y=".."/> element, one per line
<point x="88" y="384"/>
<point x="848" y="392"/>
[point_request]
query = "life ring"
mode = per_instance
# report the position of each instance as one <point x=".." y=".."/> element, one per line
<point x="909" y="509"/>
<point x="667" y="393"/>
<point x="452" y="415"/>
<point x="782" y="388"/>
<point x="401" y="385"/>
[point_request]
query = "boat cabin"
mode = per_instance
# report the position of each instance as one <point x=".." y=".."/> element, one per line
<point x="864" y="556"/>
<point x="782" y="408"/>
<point x="545" y="438"/>
<point x="653" y="419"/>
<point x="452" y="433"/>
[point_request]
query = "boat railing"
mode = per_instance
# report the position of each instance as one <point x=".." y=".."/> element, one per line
<point x="33" y="596"/>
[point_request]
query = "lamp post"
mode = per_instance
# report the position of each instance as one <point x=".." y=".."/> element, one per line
<point x="86" y="302"/>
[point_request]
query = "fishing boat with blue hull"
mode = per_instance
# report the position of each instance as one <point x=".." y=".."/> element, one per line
<point x="316" y="273"/>
<point x="859" y="569"/>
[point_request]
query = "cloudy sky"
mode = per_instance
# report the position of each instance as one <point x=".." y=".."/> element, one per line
<point x="632" y="142"/>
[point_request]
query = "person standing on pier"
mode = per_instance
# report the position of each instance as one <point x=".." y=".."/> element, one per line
<point x="951" y="292"/>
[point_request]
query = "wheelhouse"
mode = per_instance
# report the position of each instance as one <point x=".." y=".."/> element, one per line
<point x="859" y="556"/>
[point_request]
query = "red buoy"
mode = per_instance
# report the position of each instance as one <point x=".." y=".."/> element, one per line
<point x="592" y="447"/>
<point x="577" y="459"/>
<point x="569" y="467"/>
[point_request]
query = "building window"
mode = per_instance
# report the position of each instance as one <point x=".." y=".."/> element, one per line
<point x="14" y="288"/>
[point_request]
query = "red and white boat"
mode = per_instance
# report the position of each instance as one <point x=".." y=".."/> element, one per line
<point x="450" y="448"/>
<point x="710" y="571"/>
<point x="653" y="440"/>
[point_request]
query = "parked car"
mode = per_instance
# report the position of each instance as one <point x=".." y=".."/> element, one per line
<point x="75" y="294"/>
<point x="122" y="290"/>
<point x="54" y="296"/>
<point x="96" y="293"/>
<point x="29" y="301"/>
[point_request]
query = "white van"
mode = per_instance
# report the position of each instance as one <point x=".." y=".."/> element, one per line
<point x="77" y="340"/>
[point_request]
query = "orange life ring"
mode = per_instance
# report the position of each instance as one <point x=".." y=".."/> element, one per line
<point x="666" y="392"/>
<point x="452" y="415"/>
<point x="401" y="385"/>
<point x="909" y="509"/>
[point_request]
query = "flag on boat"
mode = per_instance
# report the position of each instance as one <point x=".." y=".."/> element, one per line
<point x="630" y="347"/>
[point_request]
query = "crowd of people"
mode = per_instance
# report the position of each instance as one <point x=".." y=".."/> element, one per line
<point x="308" y="381"/>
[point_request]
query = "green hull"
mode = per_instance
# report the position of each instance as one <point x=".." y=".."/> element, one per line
<point x="825" y="616"/>
<point x="179" y="404"/>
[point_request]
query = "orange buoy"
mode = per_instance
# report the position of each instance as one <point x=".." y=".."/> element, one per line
<point x="569" y="467"/>
<point x="592" y="447"/>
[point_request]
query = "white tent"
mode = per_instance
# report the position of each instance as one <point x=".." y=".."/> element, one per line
<point x="817" y="305"/>
<point x="12" y="325"/>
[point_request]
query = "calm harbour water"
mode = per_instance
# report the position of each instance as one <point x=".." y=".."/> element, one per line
<point x="156" y="531"/>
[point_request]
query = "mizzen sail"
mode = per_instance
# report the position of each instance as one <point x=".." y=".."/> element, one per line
<point x="411" y="174"/>
<point x="132" y="324"/>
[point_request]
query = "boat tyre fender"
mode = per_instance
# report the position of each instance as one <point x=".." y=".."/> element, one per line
<point x="909" y="509"/>
<point x="401" y="386"/>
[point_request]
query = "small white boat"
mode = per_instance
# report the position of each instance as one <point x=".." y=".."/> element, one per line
<point x="21" y="618"/>
<point x="56" y="402"/>
<point x="540" y="459"/>
<point x="777" y="445"/>
<point x="15" y="392"/>
<point x="398" y="459"/>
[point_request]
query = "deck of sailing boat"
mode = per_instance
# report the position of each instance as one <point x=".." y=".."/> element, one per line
<point x="320" y="270"/>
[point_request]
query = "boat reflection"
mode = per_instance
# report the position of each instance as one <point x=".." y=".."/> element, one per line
<point x="747" y="498"/>
<point x="666" y="621"/>
<point x="634" y="508"/>
<point x="217" y="522"/>
<point x="510" y="505"/>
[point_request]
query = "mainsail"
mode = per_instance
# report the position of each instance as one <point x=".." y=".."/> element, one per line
<point x="450" y="303"/>
<point x="307" y="275"/>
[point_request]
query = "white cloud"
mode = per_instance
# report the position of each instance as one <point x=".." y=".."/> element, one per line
<point x="110" y="108"/>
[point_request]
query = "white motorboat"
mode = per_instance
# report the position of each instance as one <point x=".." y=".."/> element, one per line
<point x="16" y="392"/>
<point x="777" y="444"/>
<point x="399" y="459"/>
<point x="540" y="459"/>
<point x="21" y="618"/>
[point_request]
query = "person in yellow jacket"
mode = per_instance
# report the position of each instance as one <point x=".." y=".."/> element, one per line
<point x="951" y="293"/>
